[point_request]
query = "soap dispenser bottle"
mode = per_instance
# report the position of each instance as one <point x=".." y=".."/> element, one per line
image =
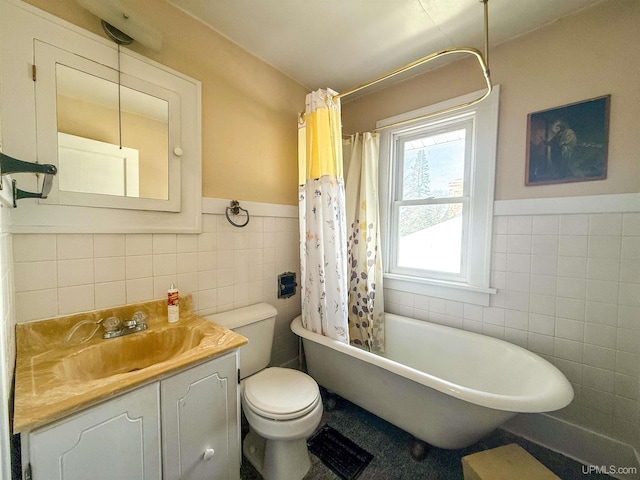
<point x="173" y="306"/>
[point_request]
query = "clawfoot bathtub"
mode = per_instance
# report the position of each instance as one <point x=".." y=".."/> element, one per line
<point x="445" y="386"/>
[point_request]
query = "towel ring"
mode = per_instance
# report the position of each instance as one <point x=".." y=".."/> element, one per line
<point x="234" y="207"/>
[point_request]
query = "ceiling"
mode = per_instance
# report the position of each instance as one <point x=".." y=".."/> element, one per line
<point x="344" y="43"/>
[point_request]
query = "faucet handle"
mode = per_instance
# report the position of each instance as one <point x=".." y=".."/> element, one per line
<point x="139" y="318"/>
<point x="112" y="324"/>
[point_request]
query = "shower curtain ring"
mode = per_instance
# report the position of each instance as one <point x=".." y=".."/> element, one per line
<point x="235" y="208"/>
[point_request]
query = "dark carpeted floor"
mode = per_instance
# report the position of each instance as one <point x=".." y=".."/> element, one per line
<point x="391" y="449"/>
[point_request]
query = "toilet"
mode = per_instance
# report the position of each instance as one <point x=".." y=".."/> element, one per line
<point x="282" y="405"/>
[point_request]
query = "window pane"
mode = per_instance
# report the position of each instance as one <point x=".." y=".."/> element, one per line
<point x="433" y="166"/>
<point x="430" y="237"/>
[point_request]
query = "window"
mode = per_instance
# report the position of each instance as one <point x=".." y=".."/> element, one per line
<point x="436" y="185"/>
<point x="430" y="207"/>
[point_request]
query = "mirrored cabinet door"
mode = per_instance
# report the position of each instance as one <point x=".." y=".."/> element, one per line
<point x="108" y="132"/>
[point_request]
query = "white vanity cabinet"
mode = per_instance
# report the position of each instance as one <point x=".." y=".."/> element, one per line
<point x="200" y="422"/>
<point x="185" y="426"/>
<point x="119" y="439"/>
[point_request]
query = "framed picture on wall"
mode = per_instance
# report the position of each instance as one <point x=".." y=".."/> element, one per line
<point x="568" y="143"/>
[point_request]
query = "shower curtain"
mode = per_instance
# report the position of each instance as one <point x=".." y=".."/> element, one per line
<point x="323" y="239"/>
<point x="366" y="299"/>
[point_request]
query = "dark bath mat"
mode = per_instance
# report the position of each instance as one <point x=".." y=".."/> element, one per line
<point x="341" y="455"/>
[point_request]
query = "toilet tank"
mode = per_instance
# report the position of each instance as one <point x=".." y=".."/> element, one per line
<point x="256" y="323"/>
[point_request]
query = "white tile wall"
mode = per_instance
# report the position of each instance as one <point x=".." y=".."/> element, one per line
<point x="569" y="290"/>
<point x="222" y="268"/>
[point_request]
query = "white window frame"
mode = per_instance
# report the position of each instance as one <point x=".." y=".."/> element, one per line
<point x="473" y="285"/>
<point x="460" y="122"/>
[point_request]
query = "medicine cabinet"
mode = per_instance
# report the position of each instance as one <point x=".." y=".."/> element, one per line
<point x="123" y="131"/>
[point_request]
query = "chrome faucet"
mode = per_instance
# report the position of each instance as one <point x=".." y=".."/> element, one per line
<point x="114" y="328"/>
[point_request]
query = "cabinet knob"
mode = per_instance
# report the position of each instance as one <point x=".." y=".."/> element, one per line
<point x="178" y="151"/>
<point x="209" y="453"/>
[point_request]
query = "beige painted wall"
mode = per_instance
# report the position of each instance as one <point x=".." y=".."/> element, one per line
<point x="587" y="55"/>
<point x="249" y="109"/>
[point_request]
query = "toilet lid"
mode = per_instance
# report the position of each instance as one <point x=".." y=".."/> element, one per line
<point x="281" y="393"/>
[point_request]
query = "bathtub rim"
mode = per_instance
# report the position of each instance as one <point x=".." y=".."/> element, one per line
<point x="544" y="402"/>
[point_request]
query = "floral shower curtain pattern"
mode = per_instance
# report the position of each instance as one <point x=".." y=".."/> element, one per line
<point x="366" y="301"/>
<point x="323" y="238"/>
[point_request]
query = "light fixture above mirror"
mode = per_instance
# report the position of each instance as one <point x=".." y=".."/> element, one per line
<point x="119" y="21"/>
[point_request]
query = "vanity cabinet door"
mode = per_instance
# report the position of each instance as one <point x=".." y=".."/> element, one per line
<point x="116" y="439"/>
<point x="200" y="431"/>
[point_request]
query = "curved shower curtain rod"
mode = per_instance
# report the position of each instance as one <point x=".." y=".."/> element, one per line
<point x="483" y="61"/>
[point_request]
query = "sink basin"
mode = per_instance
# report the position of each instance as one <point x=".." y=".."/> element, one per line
<point x="56" y="377"/>
<point x="127" y="354"/>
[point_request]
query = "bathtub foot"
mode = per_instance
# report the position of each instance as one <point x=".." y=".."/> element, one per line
<point x="419" y="449"/>
<point x="331" y="401"/>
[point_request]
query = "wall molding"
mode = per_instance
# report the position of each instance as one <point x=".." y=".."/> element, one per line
<point x="218" y="206"/>
<point x="573" y="441"/>
<point x="614" y="203"/>
<point x="610" y="203"/>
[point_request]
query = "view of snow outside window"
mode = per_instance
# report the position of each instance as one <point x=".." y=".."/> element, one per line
<point x="430" y="233"/>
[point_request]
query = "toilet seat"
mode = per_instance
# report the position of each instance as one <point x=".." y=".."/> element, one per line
<point x="281" y="393"/>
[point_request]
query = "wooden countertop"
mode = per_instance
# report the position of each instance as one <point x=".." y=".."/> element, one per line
<point x="55" y="377"/>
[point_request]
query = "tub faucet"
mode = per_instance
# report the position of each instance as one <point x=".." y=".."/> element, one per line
<point x="114" y="328"/>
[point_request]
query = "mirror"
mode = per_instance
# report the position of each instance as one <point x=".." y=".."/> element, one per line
<point x="112" y="139"/>
<point x="112" y="130"/>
